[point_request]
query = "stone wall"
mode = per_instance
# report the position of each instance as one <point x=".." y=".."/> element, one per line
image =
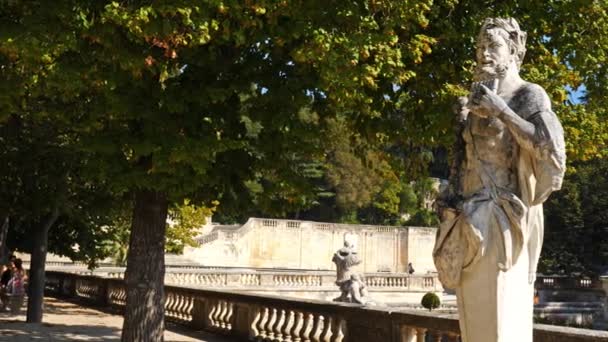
<point x="269" y="243"/>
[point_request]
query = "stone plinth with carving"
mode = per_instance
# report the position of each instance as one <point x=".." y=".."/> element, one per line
<point x="510" y="157"/>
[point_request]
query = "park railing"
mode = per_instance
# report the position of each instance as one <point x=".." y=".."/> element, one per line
<point x="272" y="318"/>
<point x="252" y="279"/>
<point x="567" y="282"/>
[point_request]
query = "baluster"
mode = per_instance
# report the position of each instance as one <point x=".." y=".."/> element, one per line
<point x="452" y="337"/>
<point x="189" y="305"/>
<point x="186" y="307"/>
<point x="436" y="336"/>
<point x="229" y="314"/>
<point x="408" y="334"/>
<point x="297" y="329"/>
<point x="287" y="327"/>
<point x="169" y="303"/>
<point x="326" y="335"/>
<point x="177" y="307"/>
<point x="212" y="312"/>
<point x="316" y="337"/>
<point x="339" y="326"/>
<point x="254" y="332"/>
<point x="271" y="322"/>
<point x="222" y="316"/>
<point x="181" y="309"/>
<point x="278" y="333"/>
<point x="420" y="334"/>
<point x="179" y="303"/>
<point x="262" y="327"/>
<point x="308" y="326"/>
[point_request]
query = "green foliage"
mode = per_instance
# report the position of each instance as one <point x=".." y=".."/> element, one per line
<point x="186" y="221"/>
<point x="286" y="105"/>
<point x="117" y="247"/>
<point x="423" y="218"/>
<point x="130" y="76"/>
<point x="430" y="301"/>
<point x="575" y="222"/>
<point x="566" y="48"/>
<point x="42" y="172"/>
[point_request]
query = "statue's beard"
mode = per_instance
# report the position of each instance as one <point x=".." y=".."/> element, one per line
<point x="484" y="73"/>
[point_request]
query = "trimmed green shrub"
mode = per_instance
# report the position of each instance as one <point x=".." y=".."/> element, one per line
<point x="430" y="301"/>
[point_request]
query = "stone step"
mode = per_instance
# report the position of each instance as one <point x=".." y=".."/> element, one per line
<point x="570" y="305"/>
<point x="567" y="311"/>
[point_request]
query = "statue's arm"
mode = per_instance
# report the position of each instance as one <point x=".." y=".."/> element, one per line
<point x="532" y="131"/>
<point x="523" y="130"/>
<point x="337" y="258"/>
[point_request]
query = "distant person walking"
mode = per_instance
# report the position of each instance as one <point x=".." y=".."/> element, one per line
<point x="5" y="277"/>
<point x="410" y="268"/>
<point x="16" y="287"/>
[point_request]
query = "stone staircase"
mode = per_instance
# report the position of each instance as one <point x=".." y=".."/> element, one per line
<point x="578" y="308"/>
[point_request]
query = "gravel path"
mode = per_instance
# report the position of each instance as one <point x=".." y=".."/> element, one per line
<point x="64" y="321"/>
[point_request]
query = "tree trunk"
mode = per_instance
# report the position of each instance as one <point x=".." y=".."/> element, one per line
<point x="145" y="311"/>
<point x="37" y="264"/>
<point x="3" y="236"/>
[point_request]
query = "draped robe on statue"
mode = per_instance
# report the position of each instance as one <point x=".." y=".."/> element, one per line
<point x="488" y="250"/>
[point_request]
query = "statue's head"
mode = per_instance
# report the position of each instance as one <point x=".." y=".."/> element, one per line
<point x="348" y="244"/>
<point x="501" y="46"/>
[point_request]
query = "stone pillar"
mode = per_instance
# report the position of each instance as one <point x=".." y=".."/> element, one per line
<point x="198" y="314"/>
<point x="267" y="279"/>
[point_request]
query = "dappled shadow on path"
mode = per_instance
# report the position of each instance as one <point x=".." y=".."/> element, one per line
<point x="19" y="331"/>
<point x="68" y="321"/>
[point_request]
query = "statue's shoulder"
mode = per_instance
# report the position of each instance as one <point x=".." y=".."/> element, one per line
<point x="536" y="91"/>
<point x="532" y="99"/>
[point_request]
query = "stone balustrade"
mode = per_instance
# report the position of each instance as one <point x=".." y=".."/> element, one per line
<point x="272" y="318"/>
<point x="565" y="282"/>
<point x="251" y="279"/>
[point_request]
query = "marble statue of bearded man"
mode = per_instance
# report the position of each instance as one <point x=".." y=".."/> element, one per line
<point x="511" y="156"/>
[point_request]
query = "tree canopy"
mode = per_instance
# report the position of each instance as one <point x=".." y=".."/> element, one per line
<point x="272" y="103"/>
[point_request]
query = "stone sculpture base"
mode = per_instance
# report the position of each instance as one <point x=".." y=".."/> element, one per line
<point x="496" y="306"/>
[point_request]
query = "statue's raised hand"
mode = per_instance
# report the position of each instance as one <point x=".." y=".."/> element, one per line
<point x="493" y="104"/>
